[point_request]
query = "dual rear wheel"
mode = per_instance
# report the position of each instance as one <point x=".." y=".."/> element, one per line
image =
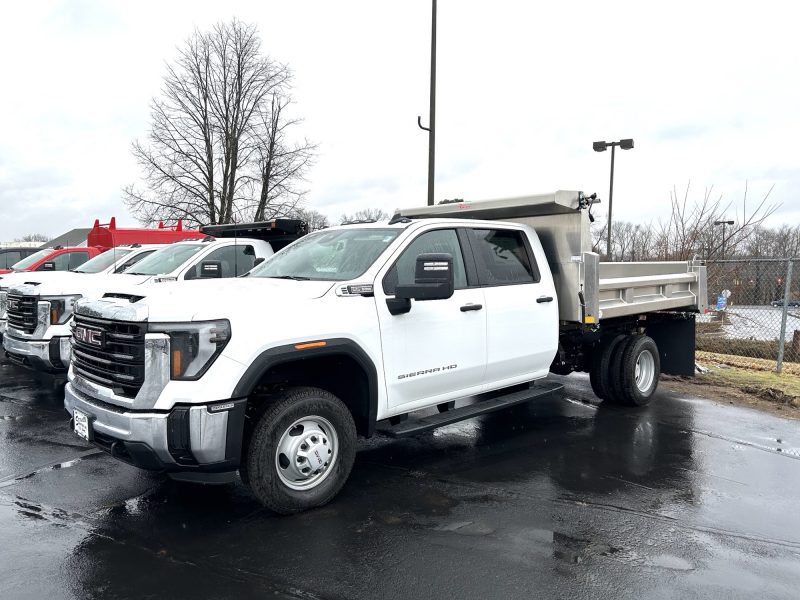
<point x="625" y="370"/>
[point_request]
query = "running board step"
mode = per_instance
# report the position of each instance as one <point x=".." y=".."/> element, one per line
<point x="413" y="426"/>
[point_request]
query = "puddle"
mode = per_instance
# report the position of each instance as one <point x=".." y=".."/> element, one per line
<point x="9" y="481"/>
<point x="668" y="561"/>
<point x="467" y="528"/>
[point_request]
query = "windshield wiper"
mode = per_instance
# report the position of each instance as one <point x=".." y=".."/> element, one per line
<point x="133" y="273"/>
<point x="292" y="277"/>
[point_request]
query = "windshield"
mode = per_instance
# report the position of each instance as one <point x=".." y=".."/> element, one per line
<point x="165" y="260"/>
<point x="336" y="255"/>
<point x="32" y="259"/>
<point x="102" y="261"/>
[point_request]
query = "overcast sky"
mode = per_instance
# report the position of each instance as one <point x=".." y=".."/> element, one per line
<point x="709" y="91"/>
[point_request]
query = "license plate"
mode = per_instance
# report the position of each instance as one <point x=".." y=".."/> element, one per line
<point x="82" y="426"/>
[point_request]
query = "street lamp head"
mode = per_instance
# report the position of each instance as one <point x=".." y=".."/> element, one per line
<point x="626" y="144"/>
<point x="723" y="222"/>
<point x="599" y="146"/>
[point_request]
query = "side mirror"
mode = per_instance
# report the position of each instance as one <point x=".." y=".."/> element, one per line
<point x="210" y="269"/>
<point x="48" y="266"/>
<point x="433" y="280"/>
<point x="258" y="261"/>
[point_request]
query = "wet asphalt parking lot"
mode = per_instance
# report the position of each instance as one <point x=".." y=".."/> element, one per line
<point x="560" y="498"/>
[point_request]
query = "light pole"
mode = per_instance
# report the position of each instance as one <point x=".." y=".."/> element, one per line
<point x="723" y="223"/>
<point x="625" y="144"/>
<point x="431" y="129"/>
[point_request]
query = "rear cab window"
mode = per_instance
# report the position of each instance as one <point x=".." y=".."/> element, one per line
<point x="503" y="257"/>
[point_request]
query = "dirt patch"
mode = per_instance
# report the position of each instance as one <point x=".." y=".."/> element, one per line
<point x="776" y="394"/>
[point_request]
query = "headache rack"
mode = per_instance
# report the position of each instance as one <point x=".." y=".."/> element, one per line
<point x="278" y="232"/>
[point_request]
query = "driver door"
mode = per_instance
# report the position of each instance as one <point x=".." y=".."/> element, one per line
<point x="436" y="351"/>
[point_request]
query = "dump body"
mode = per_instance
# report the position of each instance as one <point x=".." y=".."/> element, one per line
<point x="588" y="290"/>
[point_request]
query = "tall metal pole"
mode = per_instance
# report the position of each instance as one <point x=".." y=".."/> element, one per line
<point x="610" y="201"/>
<point x="723" y="240"/>
<point x="787" y="292"/>
<point x="432" y="117"/>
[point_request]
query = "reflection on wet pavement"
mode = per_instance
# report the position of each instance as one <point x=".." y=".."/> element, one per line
<point x="563" y="497"/>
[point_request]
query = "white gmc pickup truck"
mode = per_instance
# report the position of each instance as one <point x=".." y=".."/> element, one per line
<point x="460" y="307"/>
<point x="36" y="310"/>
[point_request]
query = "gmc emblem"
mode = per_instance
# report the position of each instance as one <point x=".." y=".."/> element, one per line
<point x="13" y="304"/>
<point x="93" y="337"/>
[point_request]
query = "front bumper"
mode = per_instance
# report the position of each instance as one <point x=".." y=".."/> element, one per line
<point x="198" y="442"/>
<point x="50" y="356"/>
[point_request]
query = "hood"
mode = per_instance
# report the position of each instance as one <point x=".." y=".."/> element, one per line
<point x="200" y="300"/>
<point x="8" y="280"/>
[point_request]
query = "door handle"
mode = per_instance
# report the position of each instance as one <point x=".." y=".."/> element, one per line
<point x="542" y="299"/>
<point x="468" y="307"/>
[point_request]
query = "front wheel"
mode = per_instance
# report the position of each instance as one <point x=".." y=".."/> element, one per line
<point x="301" y="451"/>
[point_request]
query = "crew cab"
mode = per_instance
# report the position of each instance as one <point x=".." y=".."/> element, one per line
<point x="463" y="309"/>
<point x="40" y="312"/>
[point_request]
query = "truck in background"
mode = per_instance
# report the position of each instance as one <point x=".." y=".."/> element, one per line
<point x="39" y="314"/>
<point x="462" y="308"/>
<point x="100" y="238"/>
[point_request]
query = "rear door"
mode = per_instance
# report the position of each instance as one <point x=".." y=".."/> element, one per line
<point x="521" y="306"/>
<point x="436" y="351"/>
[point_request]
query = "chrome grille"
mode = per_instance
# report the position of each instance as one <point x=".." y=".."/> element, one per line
<point x="22" y="312"/>
<point x="115" y="359"/>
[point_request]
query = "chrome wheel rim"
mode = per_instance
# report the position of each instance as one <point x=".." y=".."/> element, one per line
<point x="645" y="371"/>
<point x="307" y="452"/>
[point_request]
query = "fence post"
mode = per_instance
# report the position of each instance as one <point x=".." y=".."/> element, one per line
<point x="786" y="295"/>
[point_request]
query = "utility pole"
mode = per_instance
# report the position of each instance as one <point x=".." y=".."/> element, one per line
<point x="431" y="129"/>
<point x="625" y="144"/>
<point x="723" y="223"/>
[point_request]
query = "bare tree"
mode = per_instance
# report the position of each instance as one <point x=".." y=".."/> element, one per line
<point x="365" y="214"/>
<point x="315" y="219"/>
<point x="691" y="228"/>
<point x="209" y="140"/>
<point x="33" y="237"/>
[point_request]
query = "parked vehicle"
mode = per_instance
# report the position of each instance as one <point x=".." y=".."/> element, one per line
<point x="40" y="313"/>
<point x="100" y="238"/>
<point x="354" y="328"/>
<point x="780" y="303"/>
<point x="47" y="347"/>
<point x="12" y="255"/>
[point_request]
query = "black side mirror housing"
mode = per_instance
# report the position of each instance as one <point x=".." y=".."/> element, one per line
<point x="210" y="269"/>
<point x="258" y="261"/>
<point x="433" y="280"/>
<point x="48" y="266"/>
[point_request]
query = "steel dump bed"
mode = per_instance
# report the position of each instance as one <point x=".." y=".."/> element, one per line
<point x="588" y="290"/>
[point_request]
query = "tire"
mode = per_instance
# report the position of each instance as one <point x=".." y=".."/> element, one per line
<point x="632" y="386"/>
<point x="302" y="428"/>
<point x="445" y="406"/>
<point x="599" y="373"/>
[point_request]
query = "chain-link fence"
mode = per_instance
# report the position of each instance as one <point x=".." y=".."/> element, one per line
<point x="754" y="309"/>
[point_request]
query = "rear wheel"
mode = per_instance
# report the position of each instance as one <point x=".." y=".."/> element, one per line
<point x="600" y="371"/>
<point x="636" y="368"/>
<point x="301" y="451"/>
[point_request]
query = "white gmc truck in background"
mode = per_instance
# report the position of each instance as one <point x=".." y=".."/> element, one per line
<point x="460" y="307"/>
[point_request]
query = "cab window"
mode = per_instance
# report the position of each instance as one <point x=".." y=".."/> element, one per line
<point x="235" y="260"/>
<point x="502" y="257"/>
<point x="439" y="241"/>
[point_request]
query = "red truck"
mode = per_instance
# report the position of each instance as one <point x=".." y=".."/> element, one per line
<point x="100" y="238"/>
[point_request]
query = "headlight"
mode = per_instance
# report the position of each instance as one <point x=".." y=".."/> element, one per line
<point x="193" y="346"/>
<point x="61" y="307"/>
<point x="3" y="304"/>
